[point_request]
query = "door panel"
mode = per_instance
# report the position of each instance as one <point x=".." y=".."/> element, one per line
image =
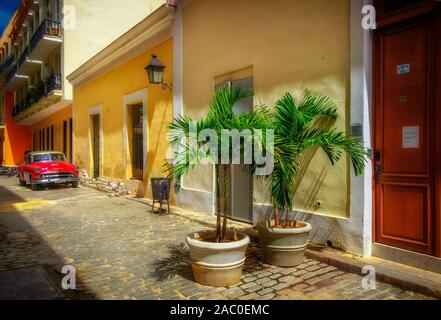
<point x="405" y="101"/>
<point x="96" y="145"/>
<point x="404" y="137"/>
<point x="137" y="143"/>
<point x="242" y="192"/>
<point x="404" y="206"/>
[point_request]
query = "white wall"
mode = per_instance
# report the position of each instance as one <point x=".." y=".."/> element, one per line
<point x="97" y="23"/>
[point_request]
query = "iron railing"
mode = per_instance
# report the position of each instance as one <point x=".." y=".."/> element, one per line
<point x="7" y="63"/>
<point x="53" y="83"/>
<point x="37" y="92"/>
<point x="11" y="74"/>
<point x="23" y="56"/>
<point x="46" y="28"/>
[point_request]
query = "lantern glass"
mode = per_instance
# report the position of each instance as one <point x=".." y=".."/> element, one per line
<point x="158" y="73"/>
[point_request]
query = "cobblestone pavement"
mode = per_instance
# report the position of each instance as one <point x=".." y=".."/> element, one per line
<point x="123" y="251"/>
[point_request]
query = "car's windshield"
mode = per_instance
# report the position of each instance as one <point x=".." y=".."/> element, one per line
<point x="48" y="157"/>
<point x="57" y="157"/>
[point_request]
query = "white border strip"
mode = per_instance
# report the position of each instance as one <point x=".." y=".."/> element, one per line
<point x="94" y="111"/>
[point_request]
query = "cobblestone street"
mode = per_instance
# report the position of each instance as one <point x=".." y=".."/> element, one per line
<point x="121" y="250"/>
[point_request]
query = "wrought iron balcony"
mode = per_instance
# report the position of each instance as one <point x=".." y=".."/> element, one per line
<point x="38" y="97"/>
<point x="11" y="74"/>
<point x="25" y="66"/>
<point x="53" y="83"/>
<point x="23" y="56"/>
<point x="14" y="80"/>
<point x="7" y="64"/>
<point x="44" y="40"/>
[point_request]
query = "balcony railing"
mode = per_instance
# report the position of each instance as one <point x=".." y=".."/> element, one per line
<point x="46" y="28"/>
<point x="37" y="92"/>
<point x="53" y="83"/>
<point x="11" y="74"/>
<point x="7" y="63"/>
<point x="23" y="56"/>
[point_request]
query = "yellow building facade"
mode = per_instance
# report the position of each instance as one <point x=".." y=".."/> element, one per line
<point x="120" y="119"/>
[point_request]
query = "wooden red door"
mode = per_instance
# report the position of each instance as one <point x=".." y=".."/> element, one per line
<point x="405" y="77"/>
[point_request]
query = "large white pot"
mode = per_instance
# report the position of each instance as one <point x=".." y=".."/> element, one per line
<point x="217" y="264"/>
<point x="284" y="247"/>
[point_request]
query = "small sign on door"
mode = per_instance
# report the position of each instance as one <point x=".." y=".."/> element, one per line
<point x="403" y="68"/>
<point x="411" y="137"/>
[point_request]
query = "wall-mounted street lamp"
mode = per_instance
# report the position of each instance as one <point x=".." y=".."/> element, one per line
<point x="155" y="72"/>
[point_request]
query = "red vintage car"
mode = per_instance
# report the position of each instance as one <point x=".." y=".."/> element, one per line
<point x="47" y="168"/>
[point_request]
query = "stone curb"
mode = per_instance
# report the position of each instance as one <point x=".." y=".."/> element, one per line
<point x="396" y="274"/>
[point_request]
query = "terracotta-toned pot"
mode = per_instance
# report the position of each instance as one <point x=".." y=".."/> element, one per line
<point x="217" y="264"/>
<point x="284" y="247"/>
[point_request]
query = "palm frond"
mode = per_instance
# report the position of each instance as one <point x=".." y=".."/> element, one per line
<point x="300" y="126"/>
<point x="334" y="144"/>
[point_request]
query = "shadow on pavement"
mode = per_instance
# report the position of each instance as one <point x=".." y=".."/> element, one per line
<point x="29" y="268"/>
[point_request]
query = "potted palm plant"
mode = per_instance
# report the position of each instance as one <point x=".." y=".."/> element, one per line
<point x="299" y="126"/>
<point x="217" y="255"/>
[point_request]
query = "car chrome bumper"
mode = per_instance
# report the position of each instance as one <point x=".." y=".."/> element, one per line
<point x="56" y="180"/>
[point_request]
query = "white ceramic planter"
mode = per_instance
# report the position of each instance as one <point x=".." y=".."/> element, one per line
<point x="217" y="264"/>
<point x="284" y="247"/>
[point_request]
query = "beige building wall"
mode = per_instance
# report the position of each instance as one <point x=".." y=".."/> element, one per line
<point x="290" y="45"/>
<point x="91" y="25"/>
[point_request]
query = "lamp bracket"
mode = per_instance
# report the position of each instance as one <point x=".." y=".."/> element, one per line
<point x="167" y="86"/>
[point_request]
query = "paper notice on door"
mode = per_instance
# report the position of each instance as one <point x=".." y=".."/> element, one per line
<point x="411" y="137"/>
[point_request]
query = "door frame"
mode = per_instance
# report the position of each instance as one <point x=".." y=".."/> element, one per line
<point x="137" y="97"/>
<point x="93" y="111"/>
<point x="438" y="133"/>
<point x="376" y="94"/>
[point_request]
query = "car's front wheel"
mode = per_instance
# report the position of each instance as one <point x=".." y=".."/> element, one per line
<point x="75" y="184"/>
